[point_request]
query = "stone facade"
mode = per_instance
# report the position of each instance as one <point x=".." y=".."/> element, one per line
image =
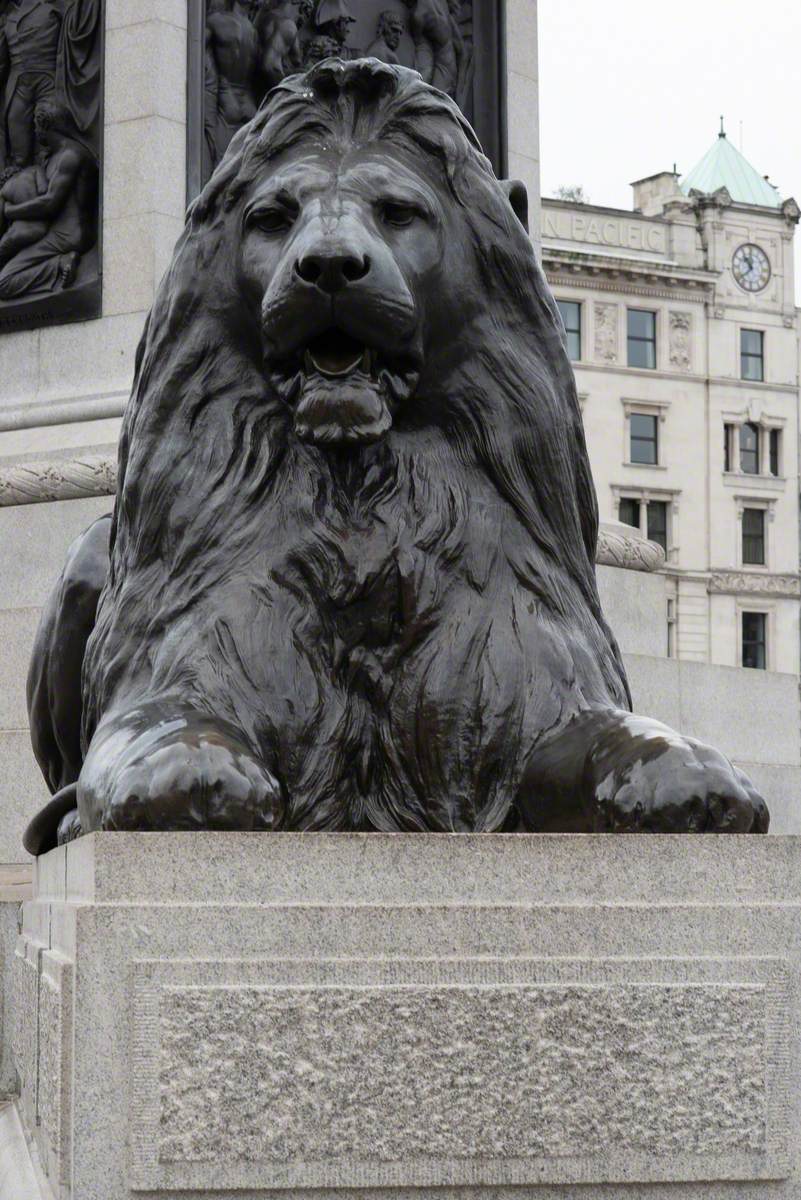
<point x="273" y="1014"/>
<point x="673" y="256"/>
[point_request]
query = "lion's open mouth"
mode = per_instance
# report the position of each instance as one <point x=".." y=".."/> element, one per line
<point x="335" y="354"/>
<point x="342" y="390"/>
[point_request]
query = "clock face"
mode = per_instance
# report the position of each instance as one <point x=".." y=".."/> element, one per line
<point x="751" y="267"/>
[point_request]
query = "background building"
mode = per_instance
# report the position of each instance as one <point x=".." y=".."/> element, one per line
<point x="682" y="326"/>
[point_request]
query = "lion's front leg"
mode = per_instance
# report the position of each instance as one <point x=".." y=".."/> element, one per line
<point x="162" y="766"/>
<point x="609" y="770"/>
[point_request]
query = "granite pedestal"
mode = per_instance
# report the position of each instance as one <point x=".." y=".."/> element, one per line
<point x="311" y="1015"/>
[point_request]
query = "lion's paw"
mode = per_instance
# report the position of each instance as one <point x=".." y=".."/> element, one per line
<point x="687" y="788"/>
<point x="188" y="778"/>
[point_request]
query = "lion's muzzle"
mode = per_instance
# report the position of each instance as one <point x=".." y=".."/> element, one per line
<point x="339" y="326"/>
<point x="344" y="393"/>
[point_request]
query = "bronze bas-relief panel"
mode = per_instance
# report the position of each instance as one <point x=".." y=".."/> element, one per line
<point x="51" y="67"/>
<point x="239" y="49"/>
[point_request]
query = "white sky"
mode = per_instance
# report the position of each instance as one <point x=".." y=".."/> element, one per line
<point x="629" y="87"/>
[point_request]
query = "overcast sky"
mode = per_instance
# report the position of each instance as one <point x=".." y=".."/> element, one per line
<point x="627" y="88"/>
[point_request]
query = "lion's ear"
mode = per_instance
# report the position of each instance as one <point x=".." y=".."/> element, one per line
<point x="517" y="195"/>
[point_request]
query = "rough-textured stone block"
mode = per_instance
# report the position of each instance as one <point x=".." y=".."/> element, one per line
<point x="24" y="1020"/>
<point x="409" y="1082"/>
<point x="54" y="1051"/>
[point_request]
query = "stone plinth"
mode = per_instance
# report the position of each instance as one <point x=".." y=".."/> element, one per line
<point x="201" y="1013"/>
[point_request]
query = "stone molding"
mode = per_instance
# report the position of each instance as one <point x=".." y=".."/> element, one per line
<point x="623" y="546"/>
<point x="62" y="412"/>
<point x="558" y="277"/>
<point x="45" y="480"/>
<point x="737" y="582"/>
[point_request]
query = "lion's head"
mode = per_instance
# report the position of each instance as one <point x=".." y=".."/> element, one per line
<point x="353" y="281"/>
<point x="345" y="222"/>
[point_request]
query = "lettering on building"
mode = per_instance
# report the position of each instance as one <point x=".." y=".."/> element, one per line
<point x="604" y="231"/>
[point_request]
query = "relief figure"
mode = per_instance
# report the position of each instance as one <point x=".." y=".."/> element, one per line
<point x="23" y="185"/>
<point x="63" y="212"/>
<point x="431" y="28"/>
<point x="232" y="59"/>
<point x="279" y="43"/>
<point x="252" y="45"/>
<point x="464" y="58"/>
<point x="29" y="42"/>
<point x="333" y="18"/>
<point x="388" y="36"/>
<point x="320" y="47"/>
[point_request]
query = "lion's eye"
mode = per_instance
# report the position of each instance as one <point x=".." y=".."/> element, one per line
<point x="272" y="220"/>
<point x="398" y="214"/>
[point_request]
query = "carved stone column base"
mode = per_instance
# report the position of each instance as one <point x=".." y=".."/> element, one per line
<point x="200" y="1013"/>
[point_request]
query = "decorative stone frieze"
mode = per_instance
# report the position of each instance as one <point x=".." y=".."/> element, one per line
<point x="681" y="340"/>
<point x="751" y="583"/>
<point x="606" y="332"/>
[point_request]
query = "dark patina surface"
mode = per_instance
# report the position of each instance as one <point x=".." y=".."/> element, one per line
<point x="351" y="581"/>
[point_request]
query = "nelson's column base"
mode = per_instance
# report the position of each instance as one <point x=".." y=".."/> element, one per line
<point x="365" y="1016"/>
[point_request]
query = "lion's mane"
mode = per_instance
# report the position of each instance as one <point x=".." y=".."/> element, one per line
<point x="207" y="459"/>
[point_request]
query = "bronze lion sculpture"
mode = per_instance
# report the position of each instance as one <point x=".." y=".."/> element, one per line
<point x="351" y="583"/>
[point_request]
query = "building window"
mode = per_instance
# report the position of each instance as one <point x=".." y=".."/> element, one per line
<point x="641" y="338"/>
<point x="629" y="512"/>
<point x="728" y="442"/>
<point x="643" y="446"/>
<point x="650" y="517"/>
<point x="754" y="537"/>
<point x="570" y="313"/>
<point x="657" y="523"/>
<point x="749" y="448"/>
<point x="754" y="640"/>
<point x="774" y="444"/>
<point x="752" y="358"/>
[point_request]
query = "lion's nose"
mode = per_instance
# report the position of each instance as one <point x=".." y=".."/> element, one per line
<point x="331" y="271"/>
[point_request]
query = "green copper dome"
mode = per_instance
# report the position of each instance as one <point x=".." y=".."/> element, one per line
<point x="724" y="166"/>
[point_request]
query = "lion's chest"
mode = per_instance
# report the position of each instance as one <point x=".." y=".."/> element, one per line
<point x="356" y="579"/>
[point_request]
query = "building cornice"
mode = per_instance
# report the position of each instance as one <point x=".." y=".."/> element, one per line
<point x="637" y="372"/>
<point x="720" y="381"/>
<point x="627" y="214"/>
<point x="612" y="282"/>
<point x="605" y="260"/>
